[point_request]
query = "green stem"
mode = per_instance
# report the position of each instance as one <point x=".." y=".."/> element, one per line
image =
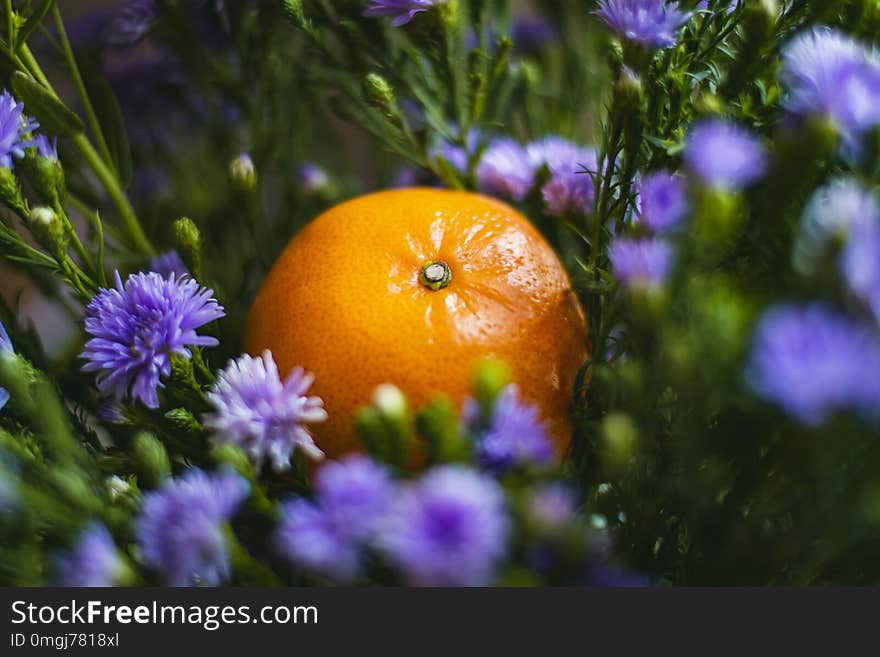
<point x="80" y="85"/>
<point x="106" y="177"/>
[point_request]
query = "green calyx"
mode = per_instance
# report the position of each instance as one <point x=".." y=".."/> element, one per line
<point x="435" y="275"/>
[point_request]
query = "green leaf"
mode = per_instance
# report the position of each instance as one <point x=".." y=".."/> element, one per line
<point x="32" y="23"/>
<point x="109" y="117"/>
<point x="54" y="116"/>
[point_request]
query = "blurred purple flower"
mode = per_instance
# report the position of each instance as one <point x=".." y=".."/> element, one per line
<point x="402" y="11"/>
<point x="531" y="31"/>
<point x="833" y="215"/>
<point x="168" y="264"/>
<point x="812" y="362"/>
<point x="724" y="155"/>
<point x="180" y="528"/>
<point x="551" y="507"/>
<point x="860" y="265"/>
<point x="5" y="346"/>
<point x="641" y="263"/>
<point x="651" y="23"/>
<point x="662" y="202"/>
<point x="515" y="436"/>
<point x="571" y="186"/>
<point x="326" y="536"/>
<point x="14" y="125"/>
<point x="129" y="23"/>
<point x="829" y="74"/>
<point x="449" y="528"/>
<point x="458" y="156"/>
<point x="506" y="169"/>
<point x="266" y="418"/>
<point x="136" y="328"/>
<point x="93" y="561"/>
<point x="312" y="178"/>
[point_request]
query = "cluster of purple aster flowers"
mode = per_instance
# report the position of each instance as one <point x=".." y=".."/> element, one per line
<point x="255" y="410"/>
<point x="830" y="75"/>
<point x="653" y="24"/>
<point x="510" y="170"/>
<point x="138" y="326"/>
<point x="327" y="535"/>
<point x="813" y="362"/>
<point x="447" y="528"/>
<point x="180" y="530"/>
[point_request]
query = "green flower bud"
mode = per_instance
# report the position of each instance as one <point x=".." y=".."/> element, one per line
<point x="151" y="459"/>
<point x="490" y="377"/>
<point x="188" y="242"/>
<point x="386" y="426"/>
<point x="48" y="230"/>
<point x="243" y="173"/>
<point x="10" y="190"/>
<point x="380" y="95"/>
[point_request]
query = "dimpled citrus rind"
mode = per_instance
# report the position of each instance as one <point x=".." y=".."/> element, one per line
<point x="344" y="301"/>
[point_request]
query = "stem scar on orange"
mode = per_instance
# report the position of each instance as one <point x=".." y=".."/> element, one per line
<point x="414" y="287"/>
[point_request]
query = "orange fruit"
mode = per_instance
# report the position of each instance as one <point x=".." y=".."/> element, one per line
<point x="352" y="300"/>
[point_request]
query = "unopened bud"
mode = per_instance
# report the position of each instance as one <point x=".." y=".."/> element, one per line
<point x="188" y="241"/>
<point x="47" y="228"/>
<point x="10" y="190"/>
<point x="390" y="400"/>
<point x="151" y="458"/>
<point x="243" y="173"/>
<point x="380" y="95"/>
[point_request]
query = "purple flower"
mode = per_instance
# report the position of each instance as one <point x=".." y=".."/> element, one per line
<point x="458" y="156"/>
<point x="724" y="155"/>
<point x="860" y="265"/>
<point x="571" y="186"/>
<point x="137" y="327"/>
<point x="93" y="561"/>
<point x="129" y="23"/>
<point x="515" y="436"/>
<point x="651" y="23"/>
<point x="531" y="31"/>
<point x="168" y="264"/>
<point x="312" y="178"/>
<point x="506" y="169"/>
<point x="551" y="507"/>
<point x="5" y="346"/>
<point x="403" y="11"/>
<point x="13" y="128"/>
<point x="641" y="263"/>
<point x="662" y="203"/>
<point x="829" y="74"/>
<point x="326" y="536"/>
<point x="812" y="362"/>
<point x="449" y="528"/>
<point x="47" y="148"/>
<point x="265" y="417"/>
<point x="833" y="216"/>
<point x="180" y="528"/>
